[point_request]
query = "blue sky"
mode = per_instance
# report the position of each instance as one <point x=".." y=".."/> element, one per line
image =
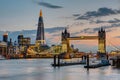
<point x="23" y="14"/>
<point x="83" y="17"/>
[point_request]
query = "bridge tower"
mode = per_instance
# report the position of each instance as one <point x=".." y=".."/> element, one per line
<point x="64" y="36"/>
<point x="101" y="42"/>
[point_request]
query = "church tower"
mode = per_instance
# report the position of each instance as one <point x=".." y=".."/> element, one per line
<point x="40" y="30"/>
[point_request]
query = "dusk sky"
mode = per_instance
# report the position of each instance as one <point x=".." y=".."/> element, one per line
<point x="82" y="17"/>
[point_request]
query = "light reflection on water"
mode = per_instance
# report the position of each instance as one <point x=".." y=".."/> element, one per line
<point x="40" y="69"/>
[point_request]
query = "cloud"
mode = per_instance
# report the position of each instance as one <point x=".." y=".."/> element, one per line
<point x="109" y="21"/>
<point x="99" y="13"/>
<point x="76" y="15"/>
<point x="74" y="34"/>
<point x="97" y="21"/>
<point x="114" y="21"/>
<point x="90" y="30"/>
<point x="108" y="28"/>
<point x="117" y="37"/>
<point x="48" y="5"/>
<point x="54" y="29"/>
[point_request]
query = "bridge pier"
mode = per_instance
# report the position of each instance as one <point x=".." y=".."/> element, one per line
<point x="58" y="60"/>
<point x="55" y="59"/>
<point x="87" y="61"/>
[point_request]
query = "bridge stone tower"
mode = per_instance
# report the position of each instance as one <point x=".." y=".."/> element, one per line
<point x="101" y="42"/>
<point x="64" y="36"/>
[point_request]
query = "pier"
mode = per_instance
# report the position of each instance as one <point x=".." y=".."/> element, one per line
<point x="116" y="61"/>
<point x="57" y="62"/>
<point x="101" y="63"/>
<point x="85" y="60"/>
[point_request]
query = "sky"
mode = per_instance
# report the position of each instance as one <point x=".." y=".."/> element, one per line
<point x="82" y="17"/>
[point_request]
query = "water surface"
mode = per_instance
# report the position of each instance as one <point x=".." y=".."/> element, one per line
<point x="40" y="69"/>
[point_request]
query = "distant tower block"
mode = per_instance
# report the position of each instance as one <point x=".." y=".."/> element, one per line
<point x="102" y="41"/>
<point x="5" y="37"/>
<point x="40" y="30"/>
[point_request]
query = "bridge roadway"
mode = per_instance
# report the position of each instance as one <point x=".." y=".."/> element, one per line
<point x="83" y="38"/>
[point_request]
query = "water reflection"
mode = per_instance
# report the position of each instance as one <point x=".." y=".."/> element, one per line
<point x="40" y="69"/>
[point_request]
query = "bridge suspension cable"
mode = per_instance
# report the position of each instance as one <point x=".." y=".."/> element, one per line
<point x="112" y="44"/>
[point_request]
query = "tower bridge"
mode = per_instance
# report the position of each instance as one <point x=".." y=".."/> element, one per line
<point x="101" y="37"/>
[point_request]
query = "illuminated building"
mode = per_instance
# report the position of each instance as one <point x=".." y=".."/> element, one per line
<point x="23" y="41"/>
<point x="115" y="53"/>
<point x="56" y="49"/>
<point x="40" y="31"/>
<point x="10" y="47"/>
<point x="5" y="37"/>
<point x="3" y="48"/>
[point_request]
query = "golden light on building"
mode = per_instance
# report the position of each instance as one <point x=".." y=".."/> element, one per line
<point x="64" y="47"/>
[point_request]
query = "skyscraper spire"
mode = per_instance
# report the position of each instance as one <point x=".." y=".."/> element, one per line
<point x="40" y="30"/>
<point x="40" y="12"/>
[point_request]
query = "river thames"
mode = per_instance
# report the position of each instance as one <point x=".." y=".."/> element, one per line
<point x="40" y="69"/>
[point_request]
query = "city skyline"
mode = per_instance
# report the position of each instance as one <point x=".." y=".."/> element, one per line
<point x="80" y="19"/>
